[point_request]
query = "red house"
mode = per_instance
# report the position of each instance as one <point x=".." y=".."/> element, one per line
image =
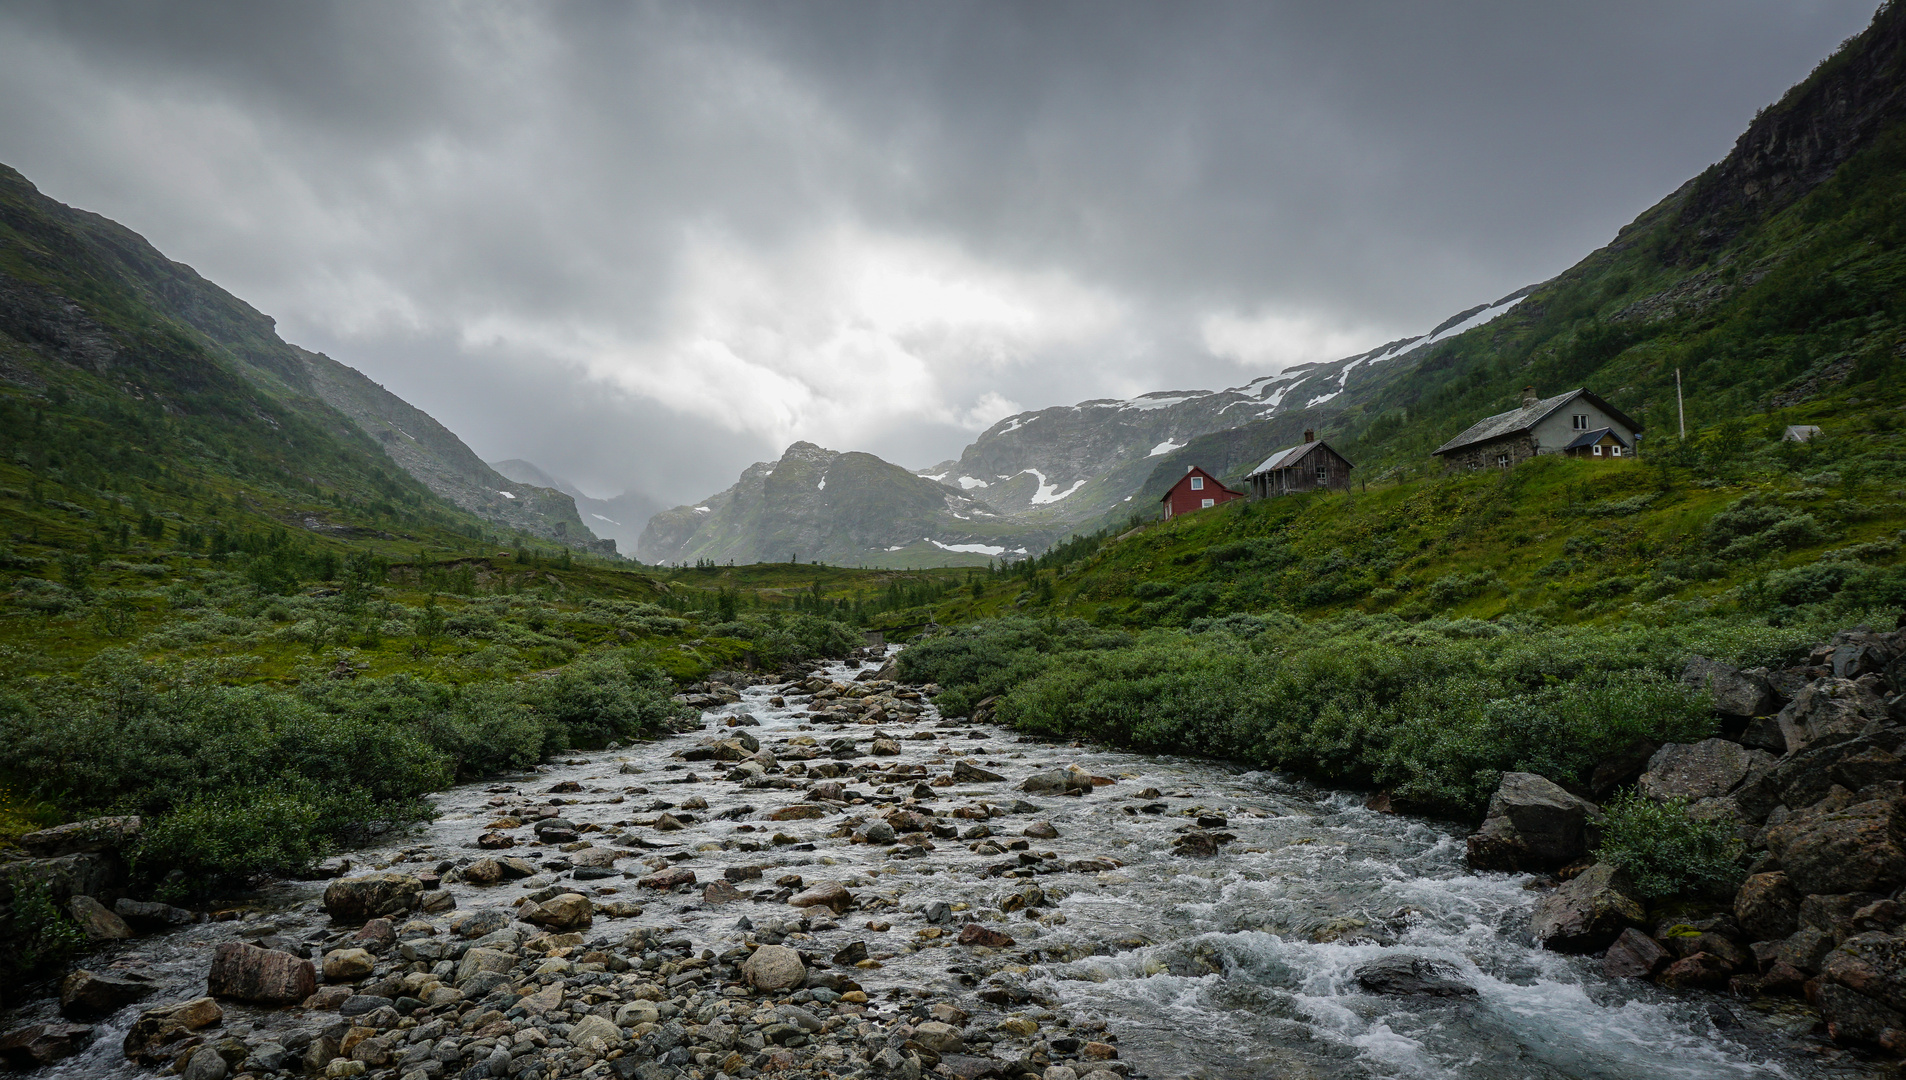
<point x="1196" y="490"/>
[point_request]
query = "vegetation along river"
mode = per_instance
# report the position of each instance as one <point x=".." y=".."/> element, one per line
<point x="1128" y="935"/>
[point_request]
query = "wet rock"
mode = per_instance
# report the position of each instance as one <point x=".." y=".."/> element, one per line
<point x="828" y="894"/>
<point x="263" y="976"/>
<point x="939" y="1038"/>
<point x="667" y="879"/>
<point x="594" y="1027"/>
<point x="979" y="934"/>
<point x="347" y="965"/>
<point x="1702" y="971"/>
<point x="720" y="892"/>
<point x="1767" y="907"/>
<point x="367" y="896"/>
<point x="86" y="993"/>
<point x="1588" y="912"/>
<point x="1041" y="830"/>
<point x="1871" y="964"/>
<point x="797" y="812"/>
<point x="774" y="968"/>
<point x="1412" y="976"/>
<point x="965" y="772"/>
<point x="1199" y="844"/>
<point x="158" y="1026"/>
<point x="205" y="1064"/>
<point x="884" y="747"/>
<point x="496" y="840"/>
<point x="1532" y="824"/>
<point x="95" y="835"/>
<point x="478" y="923"/>
<point x="43" y="1044"/>
<point x="97" y="920"/>
<point x="1854" y="1017"/>
<point x="853" y="954"/>
<point x="568" y="911"/>
<point x="1692" y="771"/>
<point x="1736" y="692"/>
<point x="1634" y="955"/>
<point x="144" y="915"/>
<point x="876" y="832"/>
<point x="1858" y="849"/>
<point x="1073" y="781"/>
<point x="483" y="961"/>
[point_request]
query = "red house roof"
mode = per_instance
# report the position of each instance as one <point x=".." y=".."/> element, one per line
<point x="1196" y="490"/>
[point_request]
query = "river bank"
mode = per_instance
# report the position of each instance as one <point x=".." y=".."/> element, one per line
<point x="1087" y="910"/>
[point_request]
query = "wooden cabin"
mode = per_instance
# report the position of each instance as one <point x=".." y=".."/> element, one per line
<point x="1196" y="490"/>
<point x="1308" y="466"/>
<point x="1541" y="426"/>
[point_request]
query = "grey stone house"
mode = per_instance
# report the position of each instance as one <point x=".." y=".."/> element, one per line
<point x="1556" y="425"/>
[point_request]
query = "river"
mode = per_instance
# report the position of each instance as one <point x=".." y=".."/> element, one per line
<point x="1235" y="965"/>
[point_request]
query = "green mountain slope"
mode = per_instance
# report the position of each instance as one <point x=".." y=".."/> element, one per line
<point x="82" y="294"/>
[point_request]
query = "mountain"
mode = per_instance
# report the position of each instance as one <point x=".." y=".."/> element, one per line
<point x="852" y="509"/>
<point x="620" y="519"/>
<point x="86" y="294"/>
<point x="1070" y="464"/>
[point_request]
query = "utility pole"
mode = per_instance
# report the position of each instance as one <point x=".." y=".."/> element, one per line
<point x="1679" y="406"/>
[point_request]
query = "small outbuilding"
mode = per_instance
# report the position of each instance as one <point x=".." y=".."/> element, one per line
<point x="1601" y="443"/>
<point x="1196" y="490"/>
<point x="1309" y="466"/>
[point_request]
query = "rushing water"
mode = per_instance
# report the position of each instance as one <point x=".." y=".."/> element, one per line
<point x="1239" y="965"/>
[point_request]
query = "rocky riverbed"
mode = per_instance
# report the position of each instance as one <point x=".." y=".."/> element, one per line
<point x="830" y="879"/>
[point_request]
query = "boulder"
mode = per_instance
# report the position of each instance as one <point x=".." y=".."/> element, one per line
<point x="1805" y="949"/>
<point x="1533" y="824"/>
<point x="977" y="934"/>
<point x="151" y="915"/>
<point x="1854" y="659"/>
<point x="265" y="976"/>
<point x="103" y="834"/>
<point x="1588" y="912"/>
<point x="1694" y="771"/>
<point x="1858" y="849"/>
<point x="43" y="1044"/>
<point x="774" y="968"/>
<point x="1621" y="767"/>
<point x="1041" y="830"/>
<point x="63" y="876"/>
<point x="1872" y="965"/>
<point x="1072" y="781"/>
<point x="939" y="1038"/>
<point x="367" y="896"/>
<point x="97" y="920"/>
<point x="667" y="879"/>
<point x="348" y="965"/>
<point x="480" y="923"/>
<point x="86" y="993"/>
<point x="594" y="1027"/>
<point x="965" y="772"/>
<point x="1701" y="971"/>
<point x="1736" y="692"/>
<point x="567" y="911"/>
<point x="1634" y="955"/>
<point x="1804" y="778"/>
<point x="1826" y="708"/>
<point x="1767" y="907"/>
<point x="481" y="961"/>
<point x="1412" y="976"/>
<point x="1854" y="1017"/>
<point x="884" y="747"/>
<point x="828" y="894"/>
<point x="720" y="892"/>
<point x="158" y="1026"/>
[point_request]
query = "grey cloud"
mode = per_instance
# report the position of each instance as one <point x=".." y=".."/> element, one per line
<point x="394" y="182"/>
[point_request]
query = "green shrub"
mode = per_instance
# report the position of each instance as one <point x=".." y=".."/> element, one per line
<point x="40" y="938"/>
<point x="239" y="835"/>
<point x="1665" y="851"/>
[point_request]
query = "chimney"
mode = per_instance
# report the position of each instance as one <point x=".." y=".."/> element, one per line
<point x="1528" y="396"/>
<point x="1310" y="435"/>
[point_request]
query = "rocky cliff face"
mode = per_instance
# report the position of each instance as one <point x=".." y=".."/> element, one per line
<point x="846" y="509"/>
<point x="1796" y="144"/>
<point x="1069" y="464"/>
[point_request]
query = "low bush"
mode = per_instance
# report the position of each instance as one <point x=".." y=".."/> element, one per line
<point x="1666" y="852"/>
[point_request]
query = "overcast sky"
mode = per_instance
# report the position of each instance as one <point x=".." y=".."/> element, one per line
<point x="643" y="245"/>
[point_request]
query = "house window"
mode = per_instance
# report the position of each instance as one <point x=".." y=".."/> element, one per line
<point x="1323" y="473"/>
<point x="1197" y="483"/>
<point x="1581" y="421"/>
<point x="1598" y="451"/>
<point x="1614" y="451"/>
<point x="1502" y="461"/>
<point x="1208" y="504"/>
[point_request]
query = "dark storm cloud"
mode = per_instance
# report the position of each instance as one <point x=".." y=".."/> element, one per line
<point x="647" y="244"/>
